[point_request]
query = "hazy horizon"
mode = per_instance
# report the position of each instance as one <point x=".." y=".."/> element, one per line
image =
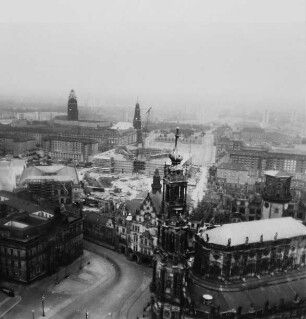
<point x="215" y="54"/>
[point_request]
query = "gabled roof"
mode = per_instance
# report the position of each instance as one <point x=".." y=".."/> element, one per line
<point x="285" y="227"/>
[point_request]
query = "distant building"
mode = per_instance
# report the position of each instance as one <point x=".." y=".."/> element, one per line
<point x="262" y="160"/>
<point x="72" y="110"/>
<point x="65" y="148"/>
<point x="137" y="123"/>
<point x="253" y="134"/>
<point x="36" y="244"/>
<point x="17" y="145"/>
<point x="232" y="173"/>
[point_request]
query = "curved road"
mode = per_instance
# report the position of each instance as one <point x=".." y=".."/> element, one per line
<point x="117" y="295"/>
<point x="123" y="292"/>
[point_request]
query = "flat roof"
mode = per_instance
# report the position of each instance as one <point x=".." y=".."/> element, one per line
<point x="275" y="173"/>
<point x="15" y="224"/>
<point x="285" y="227"/>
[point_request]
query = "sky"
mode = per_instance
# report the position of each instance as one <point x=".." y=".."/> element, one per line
<point x="222" y="53"/>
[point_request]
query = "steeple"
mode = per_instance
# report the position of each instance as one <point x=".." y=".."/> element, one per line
<point x="72" y="111"/>
<point x="137" y="123"/>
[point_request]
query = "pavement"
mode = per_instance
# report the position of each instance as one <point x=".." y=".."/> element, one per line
<point x="84" y="275"/>
<point x="106" y="283"/>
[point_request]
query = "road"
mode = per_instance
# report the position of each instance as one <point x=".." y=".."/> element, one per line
<point x="208" y="151"/>
<point x="122" y="292"/>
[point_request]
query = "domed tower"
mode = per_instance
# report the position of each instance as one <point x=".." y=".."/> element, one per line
<point x="72" y="111"/>
<point x="170" y="258"/>
<point x="276" y="194"/>
<point x="137" y="123"/>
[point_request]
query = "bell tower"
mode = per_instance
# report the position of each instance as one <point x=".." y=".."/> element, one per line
<point x="170" y="267"/>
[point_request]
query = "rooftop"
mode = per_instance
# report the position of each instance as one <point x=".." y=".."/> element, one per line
<point x="275" y="173"/>
<point x="55" y="172"/>
<point x="285" y="227"/>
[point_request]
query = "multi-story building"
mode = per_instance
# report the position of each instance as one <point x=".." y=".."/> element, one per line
<point x="17" y="145"/>
<point x="142" y="228"/>
<point x="78" y="149"/>
<point x="36" y="244"/>
<point x="58" y="183"/>
<point x="261" y="160"/>
<point x="232" y="173"/>
<point x="234" y="262"/>
<point x="252" y="134"/>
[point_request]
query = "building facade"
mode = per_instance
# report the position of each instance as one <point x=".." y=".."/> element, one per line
<point x="64" y="148"/>
<point x="37" y="244"/>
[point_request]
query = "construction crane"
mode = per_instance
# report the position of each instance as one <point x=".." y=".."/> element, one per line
<point x="147" y="121"/>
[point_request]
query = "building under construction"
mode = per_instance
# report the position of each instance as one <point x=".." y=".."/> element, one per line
<point x="51" y="183"/>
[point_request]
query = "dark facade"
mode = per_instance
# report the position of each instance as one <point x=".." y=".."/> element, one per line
<point x="276" y="194"/>
<point x="37" y="244"/>
<point x="72" y="110"/>
<point x="261" y="160"/>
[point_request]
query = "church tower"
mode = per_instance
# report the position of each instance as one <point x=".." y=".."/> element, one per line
<point x="170" y="267"/>
<point x="137" y="123"/>
<point x="72" y="111"/>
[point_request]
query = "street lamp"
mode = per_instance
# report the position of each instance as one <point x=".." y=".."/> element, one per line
<point x="33" y="314"/>
<point x="43" y="304"/>
<point x="86" y="315"/>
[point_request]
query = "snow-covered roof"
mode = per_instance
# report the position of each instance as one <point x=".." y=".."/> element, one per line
<point x="122" y="126"/>
<point x="56" y="172"/>
<point x="285" y="227"/>
<point x="275" y="173"/>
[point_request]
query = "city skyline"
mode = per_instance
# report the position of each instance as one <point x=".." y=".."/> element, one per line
<point x="194" y="54"/>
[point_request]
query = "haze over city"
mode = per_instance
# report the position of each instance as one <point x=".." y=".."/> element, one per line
<point x="219" y="54"/>
<point x="153" y="159"/>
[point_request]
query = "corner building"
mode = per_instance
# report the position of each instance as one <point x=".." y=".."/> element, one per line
<point x="170" y="258"/>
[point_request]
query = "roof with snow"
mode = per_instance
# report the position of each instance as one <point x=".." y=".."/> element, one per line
<point x="275" y="173"/>
<point x="55" y="172"/>
<point x="122" y="126"/>
<point x="285" y="227"/>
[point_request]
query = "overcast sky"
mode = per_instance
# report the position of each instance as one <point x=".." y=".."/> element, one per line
<point x="225" y="52"/>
